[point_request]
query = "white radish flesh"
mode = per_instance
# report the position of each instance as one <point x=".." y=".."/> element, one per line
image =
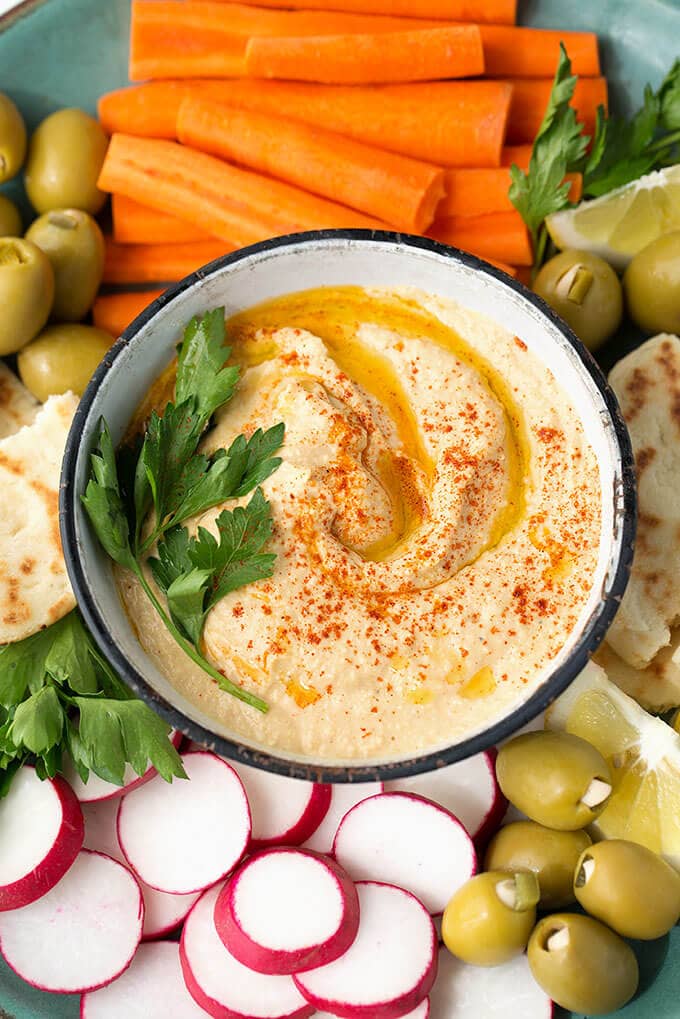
<point x="41" y="834"/>
<point x="163" y="911"/>
<point x="285" y="811"/>
<point x="82" y="934"/>
<point x="343" y="797"/>
<point x="472" y="992"/>
<point x="468" y="789"/>
<point x="96" y="788"/>
<point x="421" y="1012"/>
<point x="221" y="985"/>
<point x="287" y="910"/>
<point x="183" y="836"/>
<point x="391" y="966"/>
<point x="152" y="987"/>
<point x="407" y="841"/>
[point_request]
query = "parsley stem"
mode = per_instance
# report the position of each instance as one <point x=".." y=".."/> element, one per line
<point x="665" y="142"/>
<point x="193" y="653"/>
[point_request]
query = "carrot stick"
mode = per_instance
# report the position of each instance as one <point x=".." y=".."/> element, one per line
<point x="176" y="39"/>
<point x="518" y="154"/>
<point x="158" y="263"/>
<point x="500" y="235"/>
<point x="479" y="192"/>
<point x="534" y="52"/>
<point x="524" y="275"/>
<point x="426" y="54"/>
<point x="138" y="224"/>
<point x="396" y="189"/>
<point x="235" y="205"/>
<point x="530" y="98"/>
<point x="495" y="12"/>
<point x="115" y="312"/>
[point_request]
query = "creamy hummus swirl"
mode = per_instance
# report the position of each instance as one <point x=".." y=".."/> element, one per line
<point x="436" y="524"/>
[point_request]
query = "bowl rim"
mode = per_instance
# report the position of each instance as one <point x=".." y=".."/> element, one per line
<point x="591" y="636"/>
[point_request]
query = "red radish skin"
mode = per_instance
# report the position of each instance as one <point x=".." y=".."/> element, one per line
<point x="468" y="789"/>
<point x="163" y="911"/>
<point x="408" y="841"/>
<point x="221" y="985"/>
<point x="96" y="788"/>
<point x="285" y="811"/>
<point x="41" y="834"/>
<point x="390" y="968"/>
<point x="80" y="936"/>
<point x="421" y="1012"/>
<point x="185" y="836"/>
<point x="152" y="987"/>
<point x="311" y="917"/>
<point x="343" y="798"/>
<point x="487" y="992"/>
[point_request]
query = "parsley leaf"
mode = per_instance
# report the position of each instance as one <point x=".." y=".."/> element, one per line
<point x="104" y="504"/>
<point x="559" y="145"/>
<point x="38" y="722"/>
<point x="201" y="372"/>
<point x="669" y="97"/>
<point x="620" y="151"/>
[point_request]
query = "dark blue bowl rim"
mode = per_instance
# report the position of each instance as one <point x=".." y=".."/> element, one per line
<point x="593" y="631"/>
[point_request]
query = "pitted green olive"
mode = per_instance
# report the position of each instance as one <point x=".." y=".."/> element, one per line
<point x="490" y="918"/>
<point x="65" y="156"/>
<point x="26" y="292"/>
<point x="551" y="855"/>
<point x="12" y="139"/>
<point x="74" y="245"/>
<point x="585" y="291"/>
<point x="62" y="358"/>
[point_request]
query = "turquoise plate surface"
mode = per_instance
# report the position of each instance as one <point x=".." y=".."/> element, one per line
<point x="57" y="53"/>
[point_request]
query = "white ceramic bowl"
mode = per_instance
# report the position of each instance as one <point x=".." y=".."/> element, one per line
<point x="334" y="258"/>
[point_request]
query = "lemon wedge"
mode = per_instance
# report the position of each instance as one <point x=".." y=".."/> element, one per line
<point x="643" y="753"/>
<point x="621" y="223"/>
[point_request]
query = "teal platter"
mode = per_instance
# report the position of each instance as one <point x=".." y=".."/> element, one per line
<point x="56" y="53"/>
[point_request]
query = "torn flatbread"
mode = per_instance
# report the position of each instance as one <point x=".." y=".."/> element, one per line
<point x="647" y="383"/>
<point x="657" y="687"/>
<point x="17" y="406"/>
<point x="34" y="586"/>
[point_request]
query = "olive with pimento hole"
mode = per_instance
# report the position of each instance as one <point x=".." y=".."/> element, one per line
<point x="585" y="291"/>
<point x="489" y="919"/>
<point x="551" y="855"/>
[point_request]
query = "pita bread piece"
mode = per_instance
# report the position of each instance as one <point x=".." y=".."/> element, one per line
<point x="17" y="406"/>
<point x="34" y="586"/>
<point x="647" y="383"/>
<point x="657" y="687"/>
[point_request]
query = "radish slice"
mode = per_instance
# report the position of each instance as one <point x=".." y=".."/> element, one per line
<point x="343" y="798"/>
<point x="181" y="837"/>
<point x="407" y="841"/>
<point x="152" y="987"/>
<point x="41" y="833"/>
<point x="285" y="811"/>
<point x="472" y="992"/>
<point x="163" y="912"/>
<point x="82" y="934"/>
<point x="221" y="985"/>
<point x="96" y="788"/>
<point x="391" y="966"/>
<point x="286" y="911"/>
<point x="468" y="789"/>
<point x="421" y="1012"/>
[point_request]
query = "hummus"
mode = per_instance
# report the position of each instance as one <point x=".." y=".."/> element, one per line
<point x="436" y="524"/>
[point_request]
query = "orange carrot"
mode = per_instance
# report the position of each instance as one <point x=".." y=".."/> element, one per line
<point x="236" y="205"/>
<point x="203" y="39"/>
<point x="115" y="312"/>
<point x="499" y="235"/>
<point x="511" y="270"/>
<point x="518" y="154"/>
<point x="458" y="123"/>
<point x="138" y="224"/>
<point x="426" y="54"/>
<point x="482" y="191"/>
<point x="530" y="98"/>
<point x="158" y="263"/>
<point x="495" y="12"/>
<point x="396" y="189"/>
<point x="534" y="52"/>
<point x="524" y="275"/>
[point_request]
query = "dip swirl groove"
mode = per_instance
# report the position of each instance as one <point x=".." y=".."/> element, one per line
<point x="436" y="524"/>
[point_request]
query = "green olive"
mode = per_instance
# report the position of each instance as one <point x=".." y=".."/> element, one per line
<point x="628" y="887"/>
<point x="65" y="157"/>
<point x="585" y="291"/>
<point x="554" y="778"/>
<point x="551" y="855"/>
<point x="74" y="245"/>
<point x="12" y="139"/>
<point x="26" y="292"/>
<point x="62" y="358"/>
<point x="652" y="285"/>
<point x="581" y="964"/>
<point x="490" y="918"/>
<point x="10" y="218"/>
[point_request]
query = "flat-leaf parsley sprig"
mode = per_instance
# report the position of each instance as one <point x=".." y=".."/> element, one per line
<point x="172" y="481"/>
